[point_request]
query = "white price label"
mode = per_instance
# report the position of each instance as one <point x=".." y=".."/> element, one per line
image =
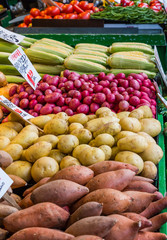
<point x="18" y="110"/>
<point x="5" y="182"/>
<point x="165" y="4"/>
<point x="10" y="36"/>
<point x="22" y="63"/>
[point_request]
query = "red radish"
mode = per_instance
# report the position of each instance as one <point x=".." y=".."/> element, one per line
<point x="74" y="104"/>
<point x="134" y="101"/>
<point x="69" y="112"/>
<point x="83" y="108"/>
<point x="99" y="98"/>
<point x="94" y="107"/>
<point x="24" y="103"/>
<point x="56" y="109"/>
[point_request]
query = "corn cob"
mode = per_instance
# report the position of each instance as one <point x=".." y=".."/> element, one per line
<point x="49" y="69"/>
<point x="4" y="58"/>
<point x="50" y="49"/>
<point x="132" y="43"/>
<point x="90" y="52"/>
<point x="32" y="40"/>
<point x="7" y="47"/>
<point x="136" y="54"/>
<point x="83" y="65"/>
<point x="56" y="43"/>
<point x="90" y="58"/>
<point x="14" y="79"/>
<point x="8" y="69"/>
<point x="25" y="44"/>
<point x="90" y="46"/>
<point x="128" y="71"/>
<point x="42" y="57"/>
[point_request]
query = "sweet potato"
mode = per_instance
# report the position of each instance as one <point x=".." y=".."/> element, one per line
<point x="140" y="200"/>
<point x="40" y="215"/>
<point x="98" y="225"/>
<point x="78" y="174"/>
<point x="17" y="181"/>
<point x="158" y="196"/>
<point x="26" y="202"/>
<point x="113" y="201"/>
<point x="157" y="222"/>
<point x="62" y="192"/>
<point x="16" y="197"/>
<point x="87" y="237"/>
<point x="124" y="228"/>
<point x="136" y="217"/>
<point x="118" y="180"/>
<point x="154" y="208"/>
<point x="6" y="210"/>
<point x="141" y="186"/>
<point x="88" y="209"/>
<point x="107" y="166"/>
<point x="150" y="236"/>
<point x="3" y="234"/>
<point x="140" y="178"/>
<point x="39" y="233"/>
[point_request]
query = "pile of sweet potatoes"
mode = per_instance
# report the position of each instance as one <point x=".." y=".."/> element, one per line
<point x="103" y="201"/>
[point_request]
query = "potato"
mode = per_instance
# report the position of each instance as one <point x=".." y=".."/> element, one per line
<point x="91" y="117"/>
<point x="44" y="167"/>
<point x="61" y="115"/>
<point x="149" y="170"/>
<point x="107" y="151"/>
<point x="5" y="159"/>
<point x="67" y="143"/>
<point x="68" y="161"/>
<point x="123" y="114"/>
<point x="131" y="158"/>
<point x="21" y="169"/>
<point x="106" y="111"/>
<point x="14" y="125"/>
<point x="91" y="155"/>
<point x="147" y="111"/>
<point x="107" y="114"/>
<point x="83" y="135"/>
<point x="123" y="134"/>
<point x="57" y="155"/>
<point x="114" y="151"/>
<point x="4" y="142"/>
<point x="15" y="151"/>
<point x="151" y="126"/>
<point x="25" y="139"/>
<point x="30" y="128"/>
<point x="111" y="128"/>
<point x="132" y="143"/>
<point x="92" y="143"/>
<point x="8" y="132"/>
<point x="137" y="113"/>
<point x="23" y="158"/>
<point x="77" y="151"/>
<point x="52" y="115"/>
<point x="12" y="117"/>
<point x="130" y="124"/>
<point x="148" y="138"/>
<point x="60" y="136"/>
<point x="78" y="118"/>
<point x="74" y="126"/>
<point x="152" y="153"/>
<point x="38" y="150"/>
<point x="104" y="139"/>
<point x="56" y="126"/>
<point x="48" y="138"/>
<point x="40" y="121"/>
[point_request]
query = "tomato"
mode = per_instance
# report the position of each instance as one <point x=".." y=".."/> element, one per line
<point x="84" y="15"/>
<point x="71" y="16"/>
<point x="28" y="19"/>
<point x="47" y="17"/>
<point x="131" y="3"/>
<point x="89" y="6"/>
<point x="95" y="9"/>
<point x="68" y="8"/>
<point x="89" y="11"/>
<point x="42" y="13"/>
<point x="38" y="17"/>
<point x="48" y="11"/>
<point x="23" y="25"/>
<point x="63" y="15"/>
<point x="156" y="7"/>
<point x="78" y="9"/>
<point x="58" y="17"/>
<point x="154" y="1"/>
<point x="34" y="12"/>
<point x="60" y="4"/>
<point x="83" y="5"/>
<point x="143" y="5"/>
<point x="55" y="11"/>
<point x="74" y="2"/>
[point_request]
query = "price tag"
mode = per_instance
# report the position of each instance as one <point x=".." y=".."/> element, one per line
<point x="22" y="63"/>
<point x="165" y="4"/>
<point x="5" y="182"/>
<point x="159" y="65"/>
<point x="10" y="36"/>
<point x="8" y="104"/>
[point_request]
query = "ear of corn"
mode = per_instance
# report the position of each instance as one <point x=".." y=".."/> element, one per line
<point x="25" y="44"/>
<point x="4" y="58"/>
<point x="32" y="40"/>
<point x="132" y="43"/>
<point x="14" y="79"/>
<point x="128" y="71"/>
<point x="43" y="57"/>
<point x="7" y="47"/>
<point x="56" y="43"/>
<point x="90" y="58"/>
<point x="135" y="54"/>
<point x="89" y="52"/>
<point x="90" y="46"/>
<point x="9" y="70"/>
<point x="48" y="69"/>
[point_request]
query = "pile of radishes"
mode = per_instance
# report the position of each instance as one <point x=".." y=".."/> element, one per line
<point x="75" y="93"/>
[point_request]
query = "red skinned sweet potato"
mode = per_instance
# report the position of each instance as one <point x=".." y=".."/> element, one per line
<point x="98" y="226"/>
<point x="62" y="192"/>
<point x="87" y="237"/>
<point x="26" y="202"/>
<point x="47" y="215"/>
<point x="107" y="166"/>
<point x="158" y="196"/>
<point x="141" y="186"/>
<point x="113" y="200"/>
<point x="38" y="233"/>
<point x="140" y="200"/>
<point x="124" y="228"/>
<point x="118" y="180"/>
<point x="78" y="174"/>
<point x="3" y="234"/>
<point x="136" y="217"/>
<point x="140" y="178"/>
<point x="88" y="209"/>
<point x="157" y="222"/>
<point x="154" y="208"/>
<point x="150" y="236"/>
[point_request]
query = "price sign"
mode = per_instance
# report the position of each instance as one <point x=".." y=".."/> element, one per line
<point x="8" y="104"/>
<point x="5" y="182"/>
<point x="165" y="4"/>
<point x="22" y="63"/>
<point x="10" y="36"/>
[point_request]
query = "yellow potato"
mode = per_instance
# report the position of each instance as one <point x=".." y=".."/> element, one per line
<point x="74" y="126"/>
<point x="104" y="111"/>
<point x="148" y="138"/>
<point x="60" y="136"/>
<point x="132" y="143"/>
<point x="149" y="170"/>
<point x="12" y="117"/>
<point x="40" y="121"/>
<point x="25" y="138"/>
<point x="91" y="117"/>
<point x="92" y="143"/>
<point x="91" y="155"/>
<point x="123" y="134"/>
<point x="130" y="124"/>
<point x="104" y="139"/>
<point x="78" y="150"/>
<point x="151" y="126"/>
<point x="123" y="114"/>
<point x="67" y="143"/>
<point x="23" y="158"/>
<point x="137" y="113"/>
<point x="57" y="155"/>
<point x="152" y="153"/>
<point x="83" y="135"/>
<point x="61" y="115"/>
<point x="49" y="138"/>
<point x="14" y="125"/>
<point x="44" y="167"/>
<point x="131" y="158"/>
<point x="147" y="113"/>
<point x="56" y="126"/>
<point x="68" y="161"/>
<point x="30" y="128"/>
<point x="38" y="150"/>
<point x="15" y="151"/>
<point x="111" y="128"/>
<point x="4" y="142"/>
<point x="8" y="132"/>
<point x="52" y="115"/>
<point x="21" y="169"/>
<point x="107" y="151"/>
<point x="114" y="152"/>
<point x="5" y="159"/>
<point x="78" y="118"/>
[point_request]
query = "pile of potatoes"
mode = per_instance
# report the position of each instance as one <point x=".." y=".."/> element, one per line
<point x="126" y="137"/>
